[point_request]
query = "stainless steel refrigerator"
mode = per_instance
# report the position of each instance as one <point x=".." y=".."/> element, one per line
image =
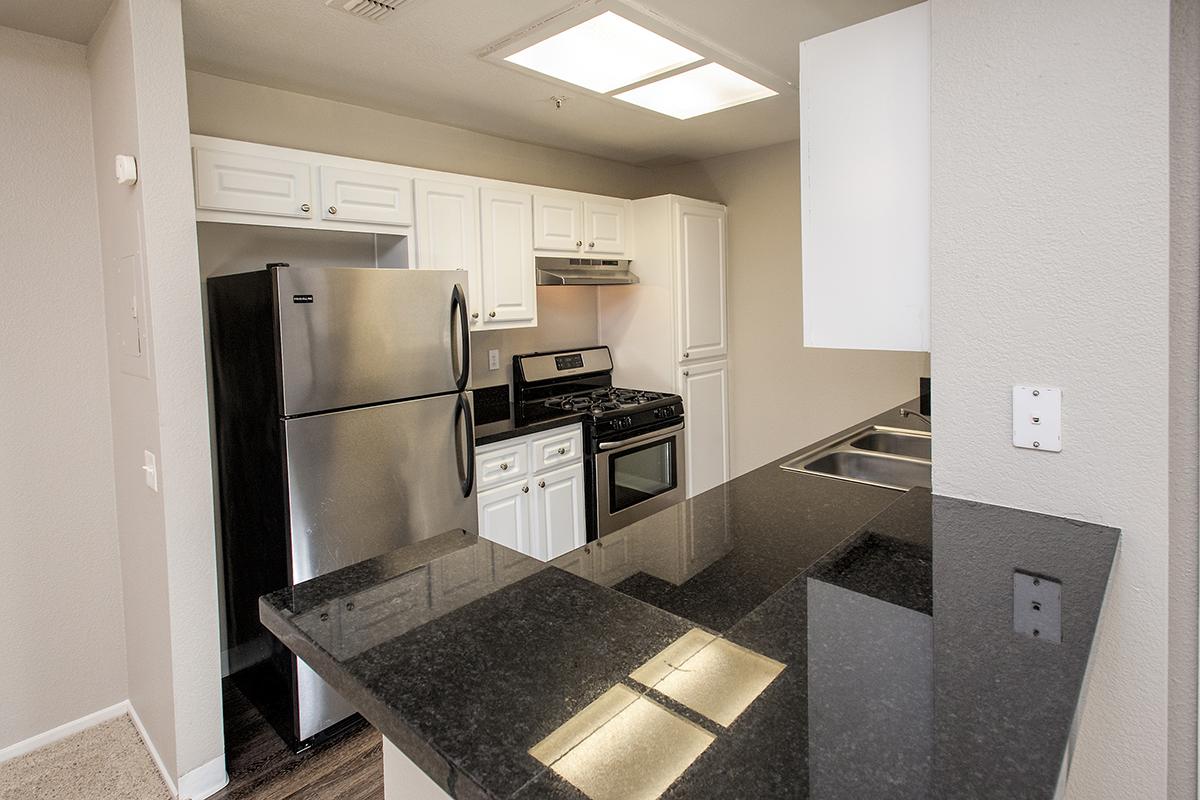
<point x="344" y="430"/>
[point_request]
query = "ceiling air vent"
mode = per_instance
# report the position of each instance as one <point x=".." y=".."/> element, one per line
<point x="374" y="10"/>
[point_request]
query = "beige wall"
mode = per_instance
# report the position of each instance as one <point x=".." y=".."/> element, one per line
<point x="1185" y="405"/>
<point x="1050" y="265"/>
<point x="783" y="395"/>
<point x="238" y="110"/>
<point x="167" y="538"/>
<point x="60" y="575"/>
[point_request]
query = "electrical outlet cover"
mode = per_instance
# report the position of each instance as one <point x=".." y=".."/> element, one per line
<point x="1037" y="418"/>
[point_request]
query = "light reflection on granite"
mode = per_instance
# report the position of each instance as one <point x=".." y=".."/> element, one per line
<point x="889" y="615"/>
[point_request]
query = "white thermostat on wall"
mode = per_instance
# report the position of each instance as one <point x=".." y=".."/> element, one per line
<point x="126" y="170"/>
<point x="1037" y="418"/>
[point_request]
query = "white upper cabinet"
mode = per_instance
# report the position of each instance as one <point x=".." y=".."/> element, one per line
<point x="448" y="233"/>
<point x="557" y="222"/>
<point x="509" y="279"/>
<point x="864" y="168"/>
<point x="372" y="197"/>
<point x="604" y="227"/>
<point x="252" y="184"/>
<point x="705" y="391"/>
<point x="700" y="234"/>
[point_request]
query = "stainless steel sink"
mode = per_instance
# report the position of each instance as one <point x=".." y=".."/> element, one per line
<point x="913" y="445"/>
<point x="894" y="458"/>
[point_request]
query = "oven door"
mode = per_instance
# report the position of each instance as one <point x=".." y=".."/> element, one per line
<point x="638" y="476"/>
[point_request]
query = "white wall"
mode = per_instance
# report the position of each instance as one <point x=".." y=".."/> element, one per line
<point x="167" y="539"/>
<point x="1050" y="265"/>
<point x="60" y="575"/>
<point x="782" y="395"/>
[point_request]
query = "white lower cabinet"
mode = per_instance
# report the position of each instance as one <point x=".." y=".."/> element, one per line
<point x="504" y="515"/>
<point x="537" y="510"/>
<point x="705" y="391"/>
<point x="560" y="524"/>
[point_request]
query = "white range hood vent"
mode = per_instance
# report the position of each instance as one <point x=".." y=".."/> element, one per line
<point x="584" y="272"/>
<point x="374" y="10"/>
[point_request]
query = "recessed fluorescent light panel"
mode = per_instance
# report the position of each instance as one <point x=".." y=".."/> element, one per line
<point x="702" y="90"/>
<point x="605" y="53"/>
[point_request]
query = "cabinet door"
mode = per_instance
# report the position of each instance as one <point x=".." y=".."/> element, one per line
<point x="559" y="524"/>
<point x="509" y="279"/>
<point x="700" y="245"/>
<point x="252" y="184"/>
<point x="352" y="196"/>
<point x="705" y="391"/>
<point x="448" y="233"/>
<point x="504" y="516"/>
<point x="557" y="223"/>
<point x="604" y="224"/>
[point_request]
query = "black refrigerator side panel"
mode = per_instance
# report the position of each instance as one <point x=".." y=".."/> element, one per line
<point x="250" y="460"/>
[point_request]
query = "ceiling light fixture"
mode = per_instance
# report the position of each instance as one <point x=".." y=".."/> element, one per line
<point x="702" y="90"/>
<point x="604" y="53"/>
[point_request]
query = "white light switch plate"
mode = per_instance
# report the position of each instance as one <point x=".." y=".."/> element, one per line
<point x="1037" y="418"/>
<point x="150" y="468"/>
<point x="493" y="359"/>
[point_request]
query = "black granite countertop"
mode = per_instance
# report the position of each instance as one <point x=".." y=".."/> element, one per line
<point x="497" y="419"/>
<point x="781" y="635"/>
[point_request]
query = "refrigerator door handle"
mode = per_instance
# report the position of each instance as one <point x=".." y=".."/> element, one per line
<point x="458" y="300"/>
<point x="466" y="472"/>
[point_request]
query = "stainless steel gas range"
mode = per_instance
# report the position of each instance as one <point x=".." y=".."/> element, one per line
<point x="633" y="439"/>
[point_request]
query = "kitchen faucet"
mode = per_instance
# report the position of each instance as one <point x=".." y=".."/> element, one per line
<point x="905" y="412"/>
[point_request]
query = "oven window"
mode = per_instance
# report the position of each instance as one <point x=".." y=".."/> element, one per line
<point x="640" y="474"/>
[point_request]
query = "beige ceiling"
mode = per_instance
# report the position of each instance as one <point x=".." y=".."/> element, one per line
<point x="424" y="63"/>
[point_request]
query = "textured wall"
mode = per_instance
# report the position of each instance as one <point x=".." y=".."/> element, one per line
<point x="1050" y="265"/>
<point x="1185" y="408"/>
<point x="782" y="395"/>
<point x="60" y="576"/>
<point x="167" y="538"/>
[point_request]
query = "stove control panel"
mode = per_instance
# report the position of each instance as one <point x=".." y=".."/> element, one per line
<point x="664" y="413"/>
<point x="622" y="423"/>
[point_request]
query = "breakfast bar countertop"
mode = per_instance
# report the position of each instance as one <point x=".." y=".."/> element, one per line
<point x="781" y="635"/>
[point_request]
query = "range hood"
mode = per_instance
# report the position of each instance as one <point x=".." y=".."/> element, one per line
<point x="584" y="272"/>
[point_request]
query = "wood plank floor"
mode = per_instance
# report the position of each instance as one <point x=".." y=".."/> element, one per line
<point x="261" y="767"/>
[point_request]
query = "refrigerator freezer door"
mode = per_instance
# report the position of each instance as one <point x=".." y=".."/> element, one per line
<point x="352" y="337"/>
<point x="365" y="481"/>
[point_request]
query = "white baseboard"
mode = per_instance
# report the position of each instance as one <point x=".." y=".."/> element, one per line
<point x="204" y="781"/>
<point x="198" y="784"/>
<point x="158" y="762"/>
<point x="63" y="731"/>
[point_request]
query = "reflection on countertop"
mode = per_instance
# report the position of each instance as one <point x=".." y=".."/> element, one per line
<point x="781" y="635"/>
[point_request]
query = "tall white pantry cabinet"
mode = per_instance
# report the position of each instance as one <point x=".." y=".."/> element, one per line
<point x="681" y="253"/>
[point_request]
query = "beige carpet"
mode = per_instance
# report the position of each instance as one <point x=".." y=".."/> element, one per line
<point x="107" y="762"/>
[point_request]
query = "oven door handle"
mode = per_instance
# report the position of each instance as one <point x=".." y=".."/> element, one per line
<point x="658" y="434"/>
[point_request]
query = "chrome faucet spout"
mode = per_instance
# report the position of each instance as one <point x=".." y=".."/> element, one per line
<point x="907" y="412"/>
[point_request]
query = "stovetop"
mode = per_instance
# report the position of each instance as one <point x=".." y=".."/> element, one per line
<point x="607" y="400"/>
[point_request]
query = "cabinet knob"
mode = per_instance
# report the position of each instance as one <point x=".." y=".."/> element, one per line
<point x="475" y="315"/>
<point x="562" y="451"/>
<point x="541" y="484"/>
<point x="587" y="550"/>
<point x="599" y="543"/>
<point x="591" y="244"/>
<point x="579" y="243"/>
<point x="685" y="355"/>
<point x="525" y="489"/>
<point x="504" y="465"/>
<point x="491" y="313"/>
<point x="305" y="207"/>
<point x="686" y="373"/>
<point x="333" y="209"/>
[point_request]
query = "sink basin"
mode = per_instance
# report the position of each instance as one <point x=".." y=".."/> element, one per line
<point x="893" y="458"/>
<point x="872" y="468"/>
<point x="895" y="443"/>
